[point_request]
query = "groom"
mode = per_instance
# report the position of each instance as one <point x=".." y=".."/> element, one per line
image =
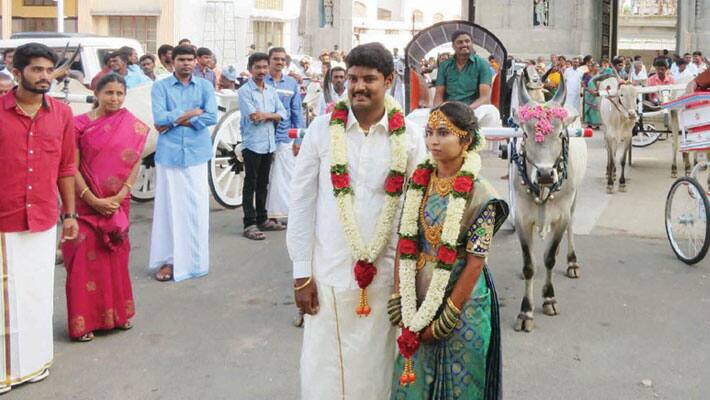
<point x="348" y="341"/>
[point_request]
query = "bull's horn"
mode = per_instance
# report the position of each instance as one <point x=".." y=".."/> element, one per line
<point x="523" y="95"/>
<point x="561" y="93"/>
<point x="602" y="77"/>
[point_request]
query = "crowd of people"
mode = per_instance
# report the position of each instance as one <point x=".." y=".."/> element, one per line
<point x="339" y="190"/>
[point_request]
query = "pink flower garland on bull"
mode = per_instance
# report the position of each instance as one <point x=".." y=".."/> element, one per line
<point x="544" y="115"/>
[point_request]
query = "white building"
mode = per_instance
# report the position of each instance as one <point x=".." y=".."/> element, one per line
<point x="527" y="28"/>
<point x="325" y="23"/>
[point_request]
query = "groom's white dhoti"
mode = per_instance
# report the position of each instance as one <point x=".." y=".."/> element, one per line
<point x="344" y="356"/>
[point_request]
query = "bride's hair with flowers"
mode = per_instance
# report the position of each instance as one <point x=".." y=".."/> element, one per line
<point x="463" y="117"/>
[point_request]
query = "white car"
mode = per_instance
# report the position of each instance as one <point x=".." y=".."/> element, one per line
<point x="93" y="48"/>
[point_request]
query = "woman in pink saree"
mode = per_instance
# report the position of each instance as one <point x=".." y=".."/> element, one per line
<point x="109" y="141"/>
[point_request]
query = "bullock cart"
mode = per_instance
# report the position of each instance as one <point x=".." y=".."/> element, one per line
<point x="687" y="208"/>
<point x="496" y="120"/>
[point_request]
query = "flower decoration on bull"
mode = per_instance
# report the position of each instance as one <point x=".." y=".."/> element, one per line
<point x="544" y="117"/>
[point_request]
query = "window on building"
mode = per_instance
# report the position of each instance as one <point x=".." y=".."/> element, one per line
<point x="384" y="14"/>
<point x="541" y="13"/>
<point x="143" y="29"/>
<point x="39" y="3"/>
<point x="42" y="24"/>
<point x="267" y="33"/>
<point x="269" y="4"/>
<point x="438" y="17"/>
<point x="326" y="13"/>
<point x="417" y="16"/>
<point x="359" y="10"/>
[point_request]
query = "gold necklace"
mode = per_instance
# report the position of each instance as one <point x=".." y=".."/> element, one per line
<point x="442" y="186"/>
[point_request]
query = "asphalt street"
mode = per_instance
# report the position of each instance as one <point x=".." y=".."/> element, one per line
<point x="636" y="324"/>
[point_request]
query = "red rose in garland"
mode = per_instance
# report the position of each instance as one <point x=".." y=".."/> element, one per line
<point x="396" y="122"/>
<point x="408" y="343"/>
<point x="364" y="274"/>
<point x="394" y="184"/>
<point x="340" y="181"/>
<point x="407" y="247"/>
<point x="340" y="115"/>
<point x="463" y="184"/>
<point x="421" y="176"/>
<point x="446" y="255"/>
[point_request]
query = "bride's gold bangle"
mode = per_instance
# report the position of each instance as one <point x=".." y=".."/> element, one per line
<point x="308" y="282"/>
<point x="83" y="192"/>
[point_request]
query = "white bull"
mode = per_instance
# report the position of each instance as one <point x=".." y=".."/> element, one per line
<point x="546" y="179"/>
<point x="618" y="112"/>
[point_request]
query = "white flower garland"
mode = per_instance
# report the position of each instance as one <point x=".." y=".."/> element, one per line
<point x="414" y="319"/>
<point x="344" y="201"/>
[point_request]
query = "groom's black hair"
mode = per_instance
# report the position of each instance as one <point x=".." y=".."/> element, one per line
<point x="371" y="55"/>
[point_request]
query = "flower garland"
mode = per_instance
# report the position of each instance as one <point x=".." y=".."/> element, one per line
<point x="414" y="320"/>
<point x="366" y="254"/>
<point x="544" y="116"/>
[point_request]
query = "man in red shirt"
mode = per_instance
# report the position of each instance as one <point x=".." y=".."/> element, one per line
<point x="37" y="154"/>
<point x="661" y="78"/>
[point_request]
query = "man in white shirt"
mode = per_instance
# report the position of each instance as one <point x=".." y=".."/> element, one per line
<point x="334" y="93"/>
<point x="345" y="354"/>
<point x="638" y="73"/>
<point x="573" y="83"/>
<point x="699" y="62"/>
<point x="7" y="56"/>
<point x="684" y="73"/>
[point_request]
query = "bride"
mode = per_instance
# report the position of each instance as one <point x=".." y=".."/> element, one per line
<point x="444" y="296"/>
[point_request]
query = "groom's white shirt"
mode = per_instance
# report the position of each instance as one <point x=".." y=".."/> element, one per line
<point x="316" y="241"/>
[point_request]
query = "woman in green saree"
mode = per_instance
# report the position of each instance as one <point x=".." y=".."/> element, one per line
<point x="444" y="296"/>
<point x="591" y="97"/>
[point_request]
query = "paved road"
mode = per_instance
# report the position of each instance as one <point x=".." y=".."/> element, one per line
<point x="637" y="314"/>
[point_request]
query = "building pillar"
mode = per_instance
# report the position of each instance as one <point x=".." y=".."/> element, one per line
<point x="166" y="23"/>
<point x="85" y="22"/>
<point x="701" y="24"/>
<point x="6" y="18"/>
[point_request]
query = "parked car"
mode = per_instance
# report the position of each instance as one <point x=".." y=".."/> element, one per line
<point x="93" y="48"/>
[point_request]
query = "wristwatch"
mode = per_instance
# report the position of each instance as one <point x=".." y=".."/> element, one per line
<point x="70" y="216"/>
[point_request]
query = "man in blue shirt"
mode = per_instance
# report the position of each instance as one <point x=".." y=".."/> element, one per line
<point x="202" y="69"/>
<point x="286" y="149"/>
<point x="261" y="111"/>
<point x="184" y="106"/>
<point x="118" y="62"/>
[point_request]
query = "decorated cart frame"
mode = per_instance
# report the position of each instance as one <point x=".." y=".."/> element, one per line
<point x="687" y="207"/>
<point x="440" y="34"/>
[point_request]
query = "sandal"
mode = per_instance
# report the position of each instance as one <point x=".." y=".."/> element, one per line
<point x="165" y="273"/>
<point x="128" y="325"/>
<point x="271" y="225"/>
<point x="86" y="337"/>
<point x="253" y="233"/>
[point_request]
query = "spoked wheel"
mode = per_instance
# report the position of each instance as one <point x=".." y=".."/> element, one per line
<point x="687" y="211"/>
<point x="646" y="136"/>
<point x="144" y="188"/>
<point x="226" y="168"/>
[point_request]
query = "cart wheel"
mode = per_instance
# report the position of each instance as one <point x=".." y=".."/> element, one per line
<point x="646" y="136"/>
<point x="687" y="211"/>
<point x="144" y="187"/>
<point x="226" y="168"/>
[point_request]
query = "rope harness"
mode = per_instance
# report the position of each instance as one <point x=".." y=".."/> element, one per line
<point x="521" y="162"/>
